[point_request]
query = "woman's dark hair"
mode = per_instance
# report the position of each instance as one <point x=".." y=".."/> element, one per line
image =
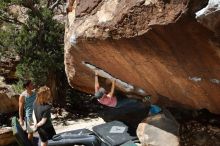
<point x="26" y="83"/>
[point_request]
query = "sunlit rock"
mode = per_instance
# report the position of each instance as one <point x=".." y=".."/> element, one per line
<point x="156" y="45"/>
<point x="9" y="99"/>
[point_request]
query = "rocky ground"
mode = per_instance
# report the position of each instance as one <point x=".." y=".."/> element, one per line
<point x="194" y="133"/>
<point x="197" y="128"/>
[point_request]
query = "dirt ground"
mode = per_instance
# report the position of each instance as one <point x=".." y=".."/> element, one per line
<point x="62" y="124"/>
<point x="197" y="128"/>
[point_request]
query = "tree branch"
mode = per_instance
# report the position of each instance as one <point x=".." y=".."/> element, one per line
<point x="54" y="5"/>
<point x="11" y="20"/>
<point x="48" y="3"/>
<point x="30" y="4"/>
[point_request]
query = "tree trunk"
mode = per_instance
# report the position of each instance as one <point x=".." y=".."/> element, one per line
<point x="58" y="87"/>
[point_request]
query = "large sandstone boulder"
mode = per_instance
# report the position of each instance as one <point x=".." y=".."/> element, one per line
<point x="157" y="45"/>
<point x="210" y="16"/>
<point x="8" y="63"/>
<point x="9" y="99"/>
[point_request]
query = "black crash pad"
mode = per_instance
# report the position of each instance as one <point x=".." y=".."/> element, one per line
<point x="79" y="137"/>
<point x="113" y="133"/>
<point x="131" y="114"/>
<point x="19" y="133"/>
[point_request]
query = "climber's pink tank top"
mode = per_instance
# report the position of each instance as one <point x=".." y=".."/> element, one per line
<point x="108" y="101"/>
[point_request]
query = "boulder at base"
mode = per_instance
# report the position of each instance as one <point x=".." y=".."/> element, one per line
<point x="6" y="136"/>
<point x="159" y="130"/>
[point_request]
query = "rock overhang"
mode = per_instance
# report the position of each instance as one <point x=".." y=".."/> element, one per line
<point x="168" y="54"/>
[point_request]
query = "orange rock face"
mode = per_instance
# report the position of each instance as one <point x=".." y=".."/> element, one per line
<point x="177" y="62"/>
<point x="9" y="100"/>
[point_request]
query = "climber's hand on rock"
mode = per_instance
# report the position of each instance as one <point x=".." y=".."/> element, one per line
<point x="96" y="72"/>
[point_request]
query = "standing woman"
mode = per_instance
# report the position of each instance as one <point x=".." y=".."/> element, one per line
<point x="42" y="111"/>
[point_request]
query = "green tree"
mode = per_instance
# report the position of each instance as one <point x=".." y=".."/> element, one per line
<point x="29" y="27"/>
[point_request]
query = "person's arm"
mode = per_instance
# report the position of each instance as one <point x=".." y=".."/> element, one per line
<point x="45" y="116"/>
<point x="42" y="122"/>
<point x="111" y="93"/>
<point x="96" y="81"/>
<point x="21" y="110"/>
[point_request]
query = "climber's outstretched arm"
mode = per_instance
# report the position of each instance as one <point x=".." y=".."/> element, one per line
<point x="96" y="81"/>
<point x="111" y="93"/>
